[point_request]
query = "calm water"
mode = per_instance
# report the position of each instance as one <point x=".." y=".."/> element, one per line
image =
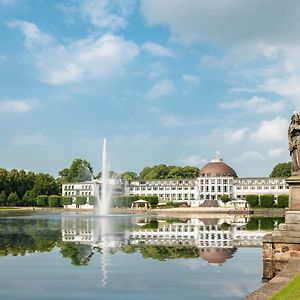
<point x="68" y="256"/>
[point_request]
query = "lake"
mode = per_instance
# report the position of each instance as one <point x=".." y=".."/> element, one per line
<point x="84" y="256"/>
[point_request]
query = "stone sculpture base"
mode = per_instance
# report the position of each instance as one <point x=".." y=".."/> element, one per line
<point x="283" y="243"/>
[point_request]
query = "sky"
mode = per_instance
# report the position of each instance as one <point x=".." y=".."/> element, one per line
<point x="164" y="81"/>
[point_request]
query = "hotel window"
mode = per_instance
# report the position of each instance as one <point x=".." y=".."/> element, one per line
<point x="206" y="189"/>
<point x="281" y="187"/>
<point x="206" y="181"/>
<point x="224" y="181"/>
<point x="219" y="189"/>
<point x="219" y="181"/>
<point x="212" y="188"/>
<point x="212" y="181"/>
<point x="225" y="189"/>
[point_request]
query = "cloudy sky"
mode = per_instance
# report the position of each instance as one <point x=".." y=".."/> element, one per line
<point x="165" y="81"/>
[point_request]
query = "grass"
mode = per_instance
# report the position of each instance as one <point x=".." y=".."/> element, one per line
<point x="291" y="291"/>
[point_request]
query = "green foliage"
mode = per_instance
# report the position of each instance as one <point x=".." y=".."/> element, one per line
<point x="54" y="201"/>
<point x="79" y="171"/>
<point x="225" y="198"/>
<point x="163" y="253"/>
<point x="266" y="223"/>
<point x="153" y="224"/>
<point x="29" y="199"/>
<point x="168" y="172"/>
<point x="129" y="175"/>
<point x="42" y="200"/>
<point x="283" y="201"/>
<point x="171" y="204"/>
<point x="225" y="226"/>
<point x="66" y="200"/>
<point x="81" y="200"/>
<point x="3" y="199"/>
<point x="79" y="254"/>
<point x="45" y="184"/>
<point x="92" y="200"/>
<point x="252" y="224"/>
<point x="13" y="199"/>
<point x="281" y="170"/>
<point x="267" y="200"/>
<point x="253" y="200"/>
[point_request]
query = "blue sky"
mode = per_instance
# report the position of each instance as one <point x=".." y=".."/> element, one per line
<point x="164" y="81"/>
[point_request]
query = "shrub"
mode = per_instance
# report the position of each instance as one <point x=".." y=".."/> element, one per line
<point x="42" y="200"/>
<point x="13" y="199"/>
<point x="253" y="200"/>
<point x="81" y="200"/>
<point x="266" y="223"/>
<point x="54" y="201"/>
<point x="252" y="224"/>
<point x="225" y="198"/>
<point x="66" y="200"/>
<point x="29" y="199"/>
<point x="92" y="200"/>
<point x="283" y="201"/>
<point x="267" y="200"/>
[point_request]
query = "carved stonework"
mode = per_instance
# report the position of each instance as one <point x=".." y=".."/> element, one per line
<point x="294" y="143"/>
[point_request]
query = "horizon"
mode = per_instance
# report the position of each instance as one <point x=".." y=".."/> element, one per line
<point x="164" y="83"/>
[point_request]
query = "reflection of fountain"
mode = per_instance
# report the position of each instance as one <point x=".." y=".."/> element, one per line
<point x="103" y="202"/>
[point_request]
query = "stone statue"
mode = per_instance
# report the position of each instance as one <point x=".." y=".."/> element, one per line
<point x="294" y="143"/>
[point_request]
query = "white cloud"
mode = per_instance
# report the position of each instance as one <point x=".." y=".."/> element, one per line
<point x="271" y="131"/>
<point x="194" y="160"/>
<point x="227" y="21"/>
<point x="161" y="88"/>
<point x="236" y="135"/>
<point x="170" y="120"/>
<point x="91" y="57"/>
<point x="257" y="104"/>
<point x="276" y="152"/>
<point x="157" y="50"/>
<point x="33" y="36"/>
<point x="100" y="12"/>
<point x="16" y="106"/>
<point x="28" y="140"/>
<point x="190" y="78"/>
<point x="249" y="155"/>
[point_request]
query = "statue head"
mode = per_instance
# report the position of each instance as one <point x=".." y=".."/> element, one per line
<point x="295" y="118"/>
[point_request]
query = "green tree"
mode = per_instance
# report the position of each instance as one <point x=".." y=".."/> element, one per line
<point x="92" y="200"/>
<point x="283" y="201"/>
<point x="253" y="200"/>
<point x="42" y="200"/>
<point x="267" y="200"/>
<point x="54" y="201"/>
<point x="29" y="199"/>
<point x="3" y="199"/>
<point x="281" y="170"/>
<point x="129" y="175"/>
<point x="45" y="184"/>
<point x="225" y="198"/>
<point x="66" y="200"/>
<point x="81" y="200"/>
<point x="13" y="199"/>
<point x="79" y="171"/>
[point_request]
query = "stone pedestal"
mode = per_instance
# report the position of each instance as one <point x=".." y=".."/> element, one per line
<point x="283" y="243"/>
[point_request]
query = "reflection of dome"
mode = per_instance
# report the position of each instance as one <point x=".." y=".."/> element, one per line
<point x="217" y="168"/>
<point x="217" y="255"/>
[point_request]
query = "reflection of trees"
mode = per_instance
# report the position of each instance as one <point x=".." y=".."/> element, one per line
<point x="80" y="255"/>
<point x="163" y="253"/>
<point x="264" y="223"/>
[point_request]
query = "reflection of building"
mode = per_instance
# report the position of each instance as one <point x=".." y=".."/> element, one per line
<point x="215" y="179"/>
<point x="216" y="239"/>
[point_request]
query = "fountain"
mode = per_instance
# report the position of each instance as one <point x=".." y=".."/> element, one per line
<point x="103" y="201"/>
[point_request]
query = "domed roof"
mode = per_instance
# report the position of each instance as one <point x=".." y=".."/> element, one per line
<point x="217" y="168"/>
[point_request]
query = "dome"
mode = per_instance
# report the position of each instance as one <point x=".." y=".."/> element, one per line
<point x="217" y="255"/>
<point x="217" y="168"/>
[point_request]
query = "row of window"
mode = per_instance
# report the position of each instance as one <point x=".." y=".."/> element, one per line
<point x="272" y="187"/>
<point x="161" y="188"/>
<point x="214" y="181"/>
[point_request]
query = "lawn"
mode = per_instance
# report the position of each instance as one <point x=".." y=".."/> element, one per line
<point x="291" y="291"/>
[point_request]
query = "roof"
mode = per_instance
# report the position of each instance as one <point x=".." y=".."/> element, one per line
<point x="140" y="201"/>
<point x="217" y="168"/>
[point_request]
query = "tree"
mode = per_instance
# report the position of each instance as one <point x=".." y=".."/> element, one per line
<point x="13" y="199"/>
<point x="81" y="200"/>
<point x="29" y="199"/>
<point x="129" y="175"/>
<point x="253" y="200"/>
<point x="92" y="200"/>
<point x="42" y="200"/>
<point x="66" y="200"/>
<point x="54" y="201"/>
<point x="3" y="199"/>
<point x="283" y="201"/>
<point x="45" y="184"/>
<point x="225" y="198"/>
<point x="79" y="171"/>
<point x="281" y="170"/>
<point x="267" y="200"/>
